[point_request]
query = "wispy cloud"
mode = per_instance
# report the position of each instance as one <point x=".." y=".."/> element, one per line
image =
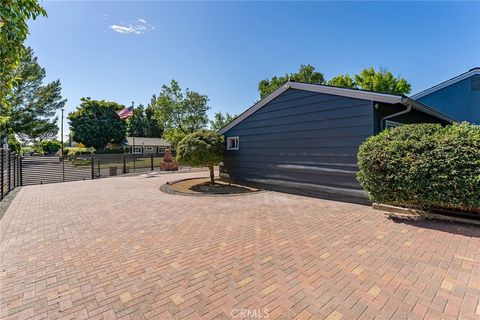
<point x="138" y="27"/>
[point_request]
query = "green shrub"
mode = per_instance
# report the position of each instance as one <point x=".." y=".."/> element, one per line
<point x="14" y="144"/>
<point x="50" y="146"/>
<point x="76" y="151"/>
<point x="424" y="165"/>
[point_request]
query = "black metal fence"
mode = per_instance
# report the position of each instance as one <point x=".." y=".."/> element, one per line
<point x="52" y="169"/>
<point x="30" y="170"/>
<point x="107" y="165"/>
<point x="10" y="172"/>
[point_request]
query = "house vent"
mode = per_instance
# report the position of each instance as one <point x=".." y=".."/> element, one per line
<point x="475" y="83"/>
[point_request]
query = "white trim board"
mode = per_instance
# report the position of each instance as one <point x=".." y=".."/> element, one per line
<point x="344" y="92"/>
<point x="447" y="83"/>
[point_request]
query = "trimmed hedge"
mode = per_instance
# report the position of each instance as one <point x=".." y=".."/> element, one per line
<point x="423" y="165"/>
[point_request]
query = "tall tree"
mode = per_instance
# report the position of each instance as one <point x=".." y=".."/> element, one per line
<point x="96" y="124"/>
<point x="344" y="81"/>
<point x="34" y="104"/>
<point x="136" y="125"/>
<point x="144" y="123"/>
<point x="382" y="81"/>
<point x="154" y="127"/>
<point x="306" y="73"/>
<point x="181" y="112"/>
<point x="13" y="32"/>
<point x="220" y="120"/>
<point x="368" y="79"/>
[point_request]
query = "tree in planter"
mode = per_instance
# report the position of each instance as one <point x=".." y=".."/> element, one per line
<point x="202" y="148"/>
<point x="96" y="124"/>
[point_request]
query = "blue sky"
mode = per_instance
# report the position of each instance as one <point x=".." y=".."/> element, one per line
<point x="125" y="51"/>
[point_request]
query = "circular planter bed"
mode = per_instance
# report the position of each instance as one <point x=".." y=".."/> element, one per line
<point x="203" y="187"/>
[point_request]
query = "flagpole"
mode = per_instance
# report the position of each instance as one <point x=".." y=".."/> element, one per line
<point x="133" y="133"/>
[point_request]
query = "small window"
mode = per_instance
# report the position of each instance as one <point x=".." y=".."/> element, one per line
<point x="392" y="124"/>
<point x="137" y="150"/>
<point x="233" y="143"/>
<point x="161" y="149"/>
<point x="149" y="149"/>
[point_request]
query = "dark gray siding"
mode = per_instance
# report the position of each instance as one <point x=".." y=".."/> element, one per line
<point x="303" y="142"/>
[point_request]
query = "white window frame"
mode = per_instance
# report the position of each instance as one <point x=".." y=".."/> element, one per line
<point x="392" y="124"/>
<point x="137" y="150"/>
<point x="149" y="149"/>
<point x="233" y="143"/>
<point x="161" y="149"/>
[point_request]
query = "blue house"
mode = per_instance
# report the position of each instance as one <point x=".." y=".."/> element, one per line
<point x="458" y="97"/>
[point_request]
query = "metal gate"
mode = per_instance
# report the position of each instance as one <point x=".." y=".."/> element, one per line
<point x="51" y="169"/>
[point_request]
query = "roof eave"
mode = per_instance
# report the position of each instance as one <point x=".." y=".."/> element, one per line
<point x="426" y="109"/>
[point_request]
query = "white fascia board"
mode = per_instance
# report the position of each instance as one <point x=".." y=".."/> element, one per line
<point x="351" y="93"/>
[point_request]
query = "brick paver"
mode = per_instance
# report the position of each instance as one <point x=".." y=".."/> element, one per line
<point x="120" y="248"/>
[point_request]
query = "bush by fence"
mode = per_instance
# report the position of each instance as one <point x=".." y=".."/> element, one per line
<point x="423" y="165"/>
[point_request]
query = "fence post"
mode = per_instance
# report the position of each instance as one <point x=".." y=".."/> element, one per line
<point x="2" y="152"/>
<point x="14" y="171"/>
<point x="9" y="170"/>
<point x="93" y="166"/>
<point x="21" y="170"/>
<point x="151" y="162"/>
<point x="98" y="166"/>
<point x="124" y="165"/>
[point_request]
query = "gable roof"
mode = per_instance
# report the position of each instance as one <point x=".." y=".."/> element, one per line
<point x="338" y="91"/>
<point x="465" y="75"/>
<point x="139" y="141"/>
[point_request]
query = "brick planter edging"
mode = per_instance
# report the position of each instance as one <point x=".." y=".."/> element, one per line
<point x="416" y="214"/>
<point x="166" y="188"/>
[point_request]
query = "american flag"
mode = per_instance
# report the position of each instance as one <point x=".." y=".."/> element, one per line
<point x="125" y="112"/>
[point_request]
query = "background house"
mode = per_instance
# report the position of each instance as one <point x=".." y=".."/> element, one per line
<point x="458" y="97"/>
<point x="304" y="138"/>
<point x="147" y="145"/>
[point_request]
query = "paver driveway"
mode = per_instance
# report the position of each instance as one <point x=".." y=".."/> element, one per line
<point x="120" y="248"/>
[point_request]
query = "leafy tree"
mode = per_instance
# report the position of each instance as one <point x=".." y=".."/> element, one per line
<point x="153" y="126"/>
<point x="219" y="120"/>
<point x="33" y="104"/>
<point x="344" y="81"/>
<point x="14" y="144"/>
<point x="50" y="146"/>
<point x="202" y="148"/>
<point x="181" y="113"/>
<point x="136" y="125"/>
<point x="95" y="123"/>
<point x="306" y="73"/>
<point x="144" y="123"/>
<point x="381" y="81"/>
<point x="367" y="79"/>
<point x="13" y="32"/>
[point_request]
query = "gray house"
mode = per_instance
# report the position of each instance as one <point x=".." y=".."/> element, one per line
<point x="143" y="145"/>
<point x="304" y="138"/>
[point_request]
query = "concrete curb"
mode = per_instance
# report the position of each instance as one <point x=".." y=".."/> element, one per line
<point x="416" y="214"/>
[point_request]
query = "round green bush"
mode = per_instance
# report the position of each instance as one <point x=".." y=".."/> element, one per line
<point x="423" y="165"/>
<point x="201" y="148"/>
